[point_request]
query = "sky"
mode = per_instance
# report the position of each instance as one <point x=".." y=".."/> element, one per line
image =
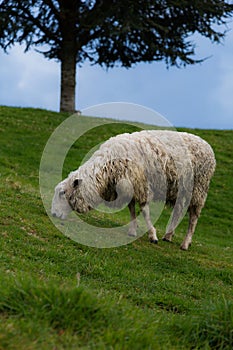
<point x="199" y="96"/>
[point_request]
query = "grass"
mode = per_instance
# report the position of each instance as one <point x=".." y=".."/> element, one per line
<point x="138" y="296"/>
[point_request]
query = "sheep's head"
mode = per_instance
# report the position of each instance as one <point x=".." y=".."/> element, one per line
<point x="60" y="205"/>
<point x="79" y="198"/>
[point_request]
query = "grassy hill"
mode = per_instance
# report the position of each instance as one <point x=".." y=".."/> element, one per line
<point x="138" y="296"/>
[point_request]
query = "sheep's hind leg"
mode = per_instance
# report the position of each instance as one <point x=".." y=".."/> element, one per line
<point x="133" y="222"/>
<point x="193" y="218"/>
<point x="151" y="230"/>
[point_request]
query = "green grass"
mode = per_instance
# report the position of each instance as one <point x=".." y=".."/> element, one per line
<point x="138" y="296"/>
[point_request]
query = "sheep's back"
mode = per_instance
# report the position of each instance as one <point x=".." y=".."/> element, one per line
<point x="164" y="155"/>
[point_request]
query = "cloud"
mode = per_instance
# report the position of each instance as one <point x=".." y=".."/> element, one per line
<point x="186" y="97"/>
<point x="180" y="95"/>
<point x="28" y="79"/>
<point x="224" y="90"/>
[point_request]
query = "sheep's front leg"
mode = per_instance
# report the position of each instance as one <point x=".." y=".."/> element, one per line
<point x="133" y="222"/>
<point x="151" y="230"/>
<point x="175" y="218"/>
<point x="168" y="236"/>
<point x="193" y="218"/>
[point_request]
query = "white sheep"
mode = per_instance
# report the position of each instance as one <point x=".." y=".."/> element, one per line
<point x="150" y="165"/>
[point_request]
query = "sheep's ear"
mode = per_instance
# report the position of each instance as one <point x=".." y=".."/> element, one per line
<point x="77" y="182"/>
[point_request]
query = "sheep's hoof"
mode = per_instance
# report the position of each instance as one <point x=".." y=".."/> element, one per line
<point x="166" y="240"/>
<point x="132" y="234"/>
<point x="183" y="248"/>
<point x="155" y="241"/>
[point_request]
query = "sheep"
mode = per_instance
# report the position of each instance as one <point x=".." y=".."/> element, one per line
<point x="141" y="167"/>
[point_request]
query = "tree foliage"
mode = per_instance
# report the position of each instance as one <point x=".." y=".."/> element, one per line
<point x="107" y="33"/>
<point x="113" y="33"/>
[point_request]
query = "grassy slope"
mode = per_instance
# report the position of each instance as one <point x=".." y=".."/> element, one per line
<point x="137" y="296"/>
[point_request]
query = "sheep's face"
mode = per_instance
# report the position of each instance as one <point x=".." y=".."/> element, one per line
<point x="60" y="205"/>
<point x="79" y="198"/>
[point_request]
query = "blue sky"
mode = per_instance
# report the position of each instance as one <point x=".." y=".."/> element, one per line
<point x="199" y="96"/>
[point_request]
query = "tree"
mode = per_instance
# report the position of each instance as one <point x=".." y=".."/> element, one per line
<point x="110" y="33"/>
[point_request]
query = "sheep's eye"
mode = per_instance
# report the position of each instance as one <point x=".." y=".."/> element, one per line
<point x="77" y="182"/>
<point x="61" y="193"/>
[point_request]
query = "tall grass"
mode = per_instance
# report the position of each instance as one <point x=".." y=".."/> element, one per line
<point x="138" y="296"/>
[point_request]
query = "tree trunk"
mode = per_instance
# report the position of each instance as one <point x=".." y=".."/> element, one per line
<point x="68" y="79"/>
<point x="68" y="55"/>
